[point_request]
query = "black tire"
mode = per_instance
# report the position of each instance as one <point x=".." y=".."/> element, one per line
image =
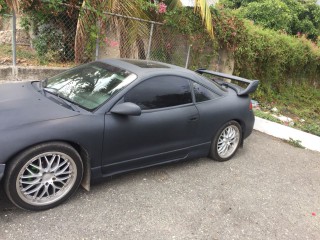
<point x="219" y="138"/>
<point x="52" y="171"/>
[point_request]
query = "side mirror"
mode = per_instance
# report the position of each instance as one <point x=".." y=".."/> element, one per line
<point x="127" y="109"/>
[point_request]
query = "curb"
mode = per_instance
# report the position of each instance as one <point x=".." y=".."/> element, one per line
<point x="277" y="130"/>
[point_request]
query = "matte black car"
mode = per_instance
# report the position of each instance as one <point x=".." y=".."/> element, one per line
<point x="112" y="116"/>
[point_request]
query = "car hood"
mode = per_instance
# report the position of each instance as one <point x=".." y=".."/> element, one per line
<point x="21" y="104"/>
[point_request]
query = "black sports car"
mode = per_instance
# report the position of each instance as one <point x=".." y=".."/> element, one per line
<point x="113" y="116"/>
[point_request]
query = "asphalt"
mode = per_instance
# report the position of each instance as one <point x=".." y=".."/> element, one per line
<point x="269" y="190"/>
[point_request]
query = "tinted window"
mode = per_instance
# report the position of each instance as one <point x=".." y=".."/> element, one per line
<point x="203" y="94"/>
<point x="160" y="92"/>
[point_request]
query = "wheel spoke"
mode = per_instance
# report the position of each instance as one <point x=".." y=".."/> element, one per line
<point x="36" y="181"/>
<point x="222" y="149"/>
<point x="45" y="191"/>
<point x="33" y="190"/>
<point x="27" y="188"/>
<point x="35" y="166"/>
<point x="60" y="179"/>
<point x="55" y="188"/>
<point x="52" y="160"/>
<point x="59" y="166"/>
<point x="62" y="170"/>
<point x="63" y="173"/>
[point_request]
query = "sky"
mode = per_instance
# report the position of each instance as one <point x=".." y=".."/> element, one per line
<point x="190" y="3"/>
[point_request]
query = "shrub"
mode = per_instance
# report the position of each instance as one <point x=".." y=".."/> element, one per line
<point x="48" y="43"/>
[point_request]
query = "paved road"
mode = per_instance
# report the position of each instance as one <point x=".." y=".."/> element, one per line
<point x="268" y="191"/>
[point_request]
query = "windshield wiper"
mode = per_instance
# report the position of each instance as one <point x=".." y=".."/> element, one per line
<point x="56" y="93"/>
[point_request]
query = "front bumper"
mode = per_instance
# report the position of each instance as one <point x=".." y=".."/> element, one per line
<point x="2" y="167"/>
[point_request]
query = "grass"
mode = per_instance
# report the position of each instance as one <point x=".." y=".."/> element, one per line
<point x="266" y="115"/>
<point x="295" y="143"/>
<point x="26" y="56"/>
<point x="300" y="102"/>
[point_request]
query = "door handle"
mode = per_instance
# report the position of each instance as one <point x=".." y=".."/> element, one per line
<point x="193" y="118"/>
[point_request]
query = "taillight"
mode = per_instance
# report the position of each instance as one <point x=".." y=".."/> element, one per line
<point x="250" y="105"/>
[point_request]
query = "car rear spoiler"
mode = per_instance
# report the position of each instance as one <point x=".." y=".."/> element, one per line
<point x="252" y="87"/>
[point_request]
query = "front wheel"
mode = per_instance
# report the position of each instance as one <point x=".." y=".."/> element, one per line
<point x="226" y="142"/>
<point x="43" y="176"/>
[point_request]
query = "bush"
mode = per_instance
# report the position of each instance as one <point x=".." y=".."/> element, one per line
<point x="277" y="59"/>
<point x="48" y="43"/>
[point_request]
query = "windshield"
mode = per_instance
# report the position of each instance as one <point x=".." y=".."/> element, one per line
<point x="89" y="85"/>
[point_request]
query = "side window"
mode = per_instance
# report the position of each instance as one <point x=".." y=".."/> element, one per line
<point x="160" y="92"/>
<point x="203" y="94"/>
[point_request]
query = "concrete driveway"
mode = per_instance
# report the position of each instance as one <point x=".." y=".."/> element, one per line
<point x="270" y="190"/>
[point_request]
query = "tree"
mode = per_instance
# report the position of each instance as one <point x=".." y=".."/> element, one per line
<point x="90" y="12"/>
<point x="129" y="30"/>
<point x="274" y="14"/>
<point x="292" y="16"/>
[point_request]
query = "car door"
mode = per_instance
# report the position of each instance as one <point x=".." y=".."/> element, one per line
<point x="163" y="132"/>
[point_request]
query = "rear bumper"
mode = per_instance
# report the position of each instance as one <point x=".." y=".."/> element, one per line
<point x="2" y="167"/>
<point x="249" y="125"/>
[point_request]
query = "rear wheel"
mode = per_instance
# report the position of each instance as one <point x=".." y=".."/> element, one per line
<point x="43" y="176"/>
<point x="226" y="143"/>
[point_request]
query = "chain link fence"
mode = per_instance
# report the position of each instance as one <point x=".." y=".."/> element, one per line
<point x="72" y="37"/>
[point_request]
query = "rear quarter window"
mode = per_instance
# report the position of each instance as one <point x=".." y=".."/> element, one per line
<point x="202" y="93"/>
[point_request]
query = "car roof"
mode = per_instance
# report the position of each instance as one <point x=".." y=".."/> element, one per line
<point x="145" y="67"/>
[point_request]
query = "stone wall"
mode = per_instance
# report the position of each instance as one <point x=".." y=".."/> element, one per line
<point x="8" y="73"/>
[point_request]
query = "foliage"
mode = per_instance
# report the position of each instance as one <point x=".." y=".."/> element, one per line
<point x="274" y="14"/>
<point x="276" y="58"/>
<point x="40" y="16"/>
<point x="229" y="29"/>
<point x="288" y="67"/>
<point x="266" y="115"/>
<point x="48" y="50"/>
<point x="292" y="16"/>
<point x="300" y="101"/>
<point x="4" y="7"/>
<point x="185" y="23"/>
<point x="23" y="52"/>
<point x="295" y="143"/>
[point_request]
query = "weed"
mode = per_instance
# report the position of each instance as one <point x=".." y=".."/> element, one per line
<point x="295" y="143"/>
<point x="266" y="115"/>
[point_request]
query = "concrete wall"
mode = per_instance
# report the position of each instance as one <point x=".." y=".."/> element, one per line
<point x="7" y="73"/>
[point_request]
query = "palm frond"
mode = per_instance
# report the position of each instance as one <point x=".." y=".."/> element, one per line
<point x="204" y="9"/>
<point x="13" y="5"/>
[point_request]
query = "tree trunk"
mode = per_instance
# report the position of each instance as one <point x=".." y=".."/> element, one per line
<point x="81" y="36"/>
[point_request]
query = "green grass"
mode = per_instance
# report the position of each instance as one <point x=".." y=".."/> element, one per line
<point x="24" y="52"/>
<point x="26" y="56"/>
<point x="297" y="102"/>
<point x="295" y="143"/>
<point x="266" y="115"/>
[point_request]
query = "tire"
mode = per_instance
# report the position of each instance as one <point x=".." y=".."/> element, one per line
<point x="227" y="141"/>
<point x="43" y="176"/>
